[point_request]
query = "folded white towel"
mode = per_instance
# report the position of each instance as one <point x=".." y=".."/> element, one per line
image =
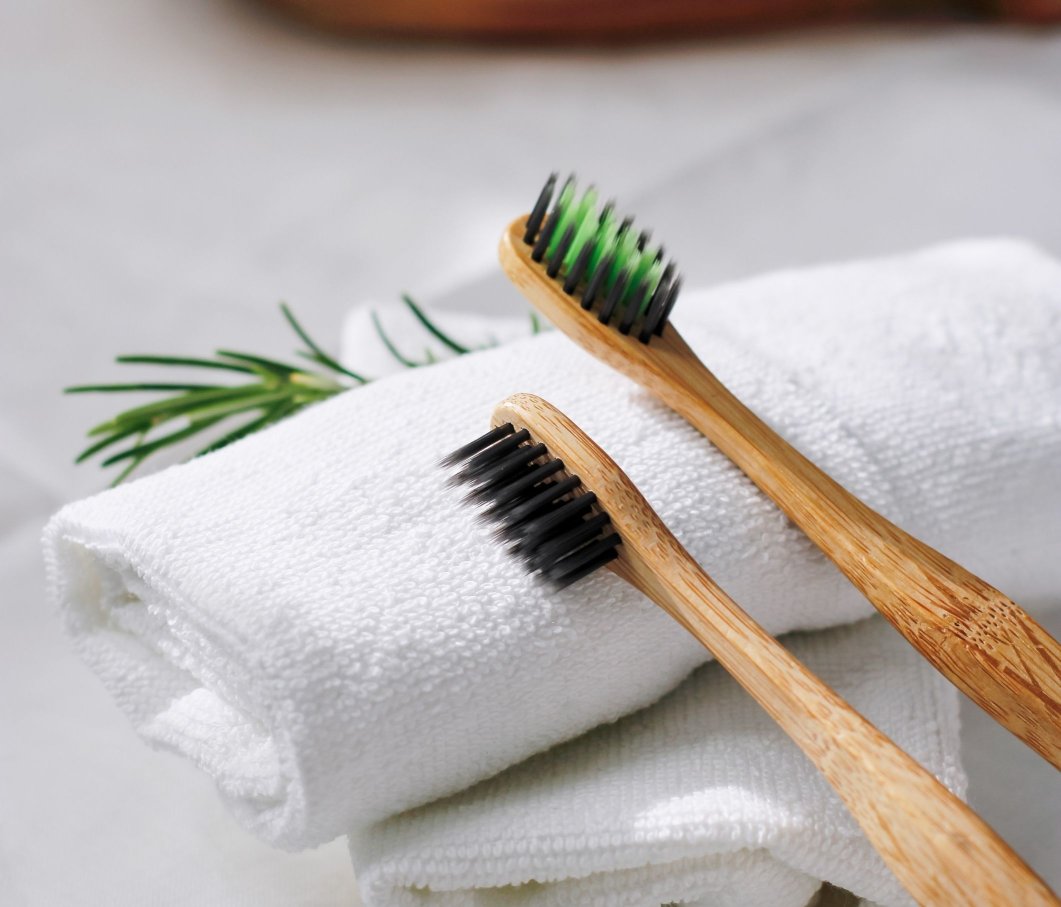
<point x="699" y="799"/>
<point x="313" y="621"/>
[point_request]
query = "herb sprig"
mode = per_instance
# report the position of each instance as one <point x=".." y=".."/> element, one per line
<point x="271" y="390"/>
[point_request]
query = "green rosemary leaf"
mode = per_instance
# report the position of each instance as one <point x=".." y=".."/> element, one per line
<point x="125" y="473"/>
<point x="270" y="416"/>
<point x="187" y="361"/>
<point x="312" y="357"/>
<point x="273" y="404"/>
<point x="163" y="410"/>
<point x="146" y="449"/>
<point x="317" y="379"/>
<point x="315" y="383"/>
<point x="105" y="443"/>
<point x="433" y="329"/>
<point x="121" y="388"/>
<point x="260" y="363"/>
<point x="319" y="355"/>
<point x="264" y="399"/>
<point x="388" y="343"/>
<point x="275" y="391"/>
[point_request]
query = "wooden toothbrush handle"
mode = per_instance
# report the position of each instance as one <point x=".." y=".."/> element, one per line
<point x="940" y="850"/>
<point x="988" y="646"/>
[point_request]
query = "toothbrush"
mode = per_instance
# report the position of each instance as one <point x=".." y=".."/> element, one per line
<point x="599" y="282"/>
<point x="528" y="474"/>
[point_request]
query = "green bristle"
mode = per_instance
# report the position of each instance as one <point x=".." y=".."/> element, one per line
<point x="596" y="239"/>
<point x="604" y="240"/>
<point x="567" y="212"/>
<point x="586" y="220"/>
<point x="626" y="256"/>
<point x="587" y="207"/>
<point x="647" y="267"/>
<point x="595" y="233"/>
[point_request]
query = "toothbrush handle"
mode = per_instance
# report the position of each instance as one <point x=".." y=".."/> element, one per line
<point x="983" y="642"/>
<point x="940" y="850"/>
<point x="936" y="845"/>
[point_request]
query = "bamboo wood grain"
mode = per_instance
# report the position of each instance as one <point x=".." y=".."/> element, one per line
<point x="977" y="637"/>
<point x="940" y="850"/>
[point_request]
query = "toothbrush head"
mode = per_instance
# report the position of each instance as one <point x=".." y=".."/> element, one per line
<point x="544" y="515"/>
<point x="601" y="261"/>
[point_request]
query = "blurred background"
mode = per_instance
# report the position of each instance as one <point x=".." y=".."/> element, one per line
<point x="170" y="171"/>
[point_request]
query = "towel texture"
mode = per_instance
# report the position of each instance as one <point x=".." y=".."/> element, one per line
<point x="699" y="799"/>
<point x="310" y="617"/>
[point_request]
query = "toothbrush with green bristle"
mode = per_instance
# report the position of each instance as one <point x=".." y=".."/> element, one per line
<point x="608" y="288"/>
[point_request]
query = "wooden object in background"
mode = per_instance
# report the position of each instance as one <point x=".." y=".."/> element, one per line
<point x="940" y="850"/>
<point x="603" y="21"/>
<point x="984" y="643"/>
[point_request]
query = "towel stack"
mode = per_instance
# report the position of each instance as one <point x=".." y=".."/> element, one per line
<point x="311" y="618"/>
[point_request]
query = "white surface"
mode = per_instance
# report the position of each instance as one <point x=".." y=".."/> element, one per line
<point x="169" y="170"/>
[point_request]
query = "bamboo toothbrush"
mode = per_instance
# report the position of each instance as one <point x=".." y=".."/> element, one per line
<point x="599" y="282"/>
<point x="528" y="472"/>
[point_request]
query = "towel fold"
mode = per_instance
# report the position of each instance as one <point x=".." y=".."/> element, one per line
<point x="310" y="617"/>
<point x="700" y="799"/>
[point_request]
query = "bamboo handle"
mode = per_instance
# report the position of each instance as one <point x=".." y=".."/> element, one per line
<point x="979" y="639"/>
<point x="987" y="645"/>
<point x="937" y="847"/>
<point x="940" y="850"/>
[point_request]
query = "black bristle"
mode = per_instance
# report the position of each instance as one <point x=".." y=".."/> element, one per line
<point x="544" y="516"/>
<point x="596" y="281"/>
<point x="633" y="307"/>
<point x="611" y="301"/>
<point x="654" y="311"/>
<point x="518" y="488"/>
<point x="548" y="493"/>
<point x="583" y="562"/>
<point x="567" y="542"/>
<point x="485" y="457"/>
<point x="501" y="471"/>
<point x="577" y="269"/>
<point x="545" y="237"/>
<point x="470" y="450"/>
<point x="544" y="526"/>
<point x="668" y="306"/>
<point x="643" y="239"/>
<point x="534" y="222"/>
<point x="561" y="252"/>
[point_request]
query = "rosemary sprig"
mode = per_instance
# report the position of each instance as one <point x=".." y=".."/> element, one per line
<point x="271" y="391"/>
<point x="393" y="350"/>
<point x="433" y="329"/>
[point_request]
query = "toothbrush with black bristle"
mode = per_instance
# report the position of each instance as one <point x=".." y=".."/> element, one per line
<point x="605" y="285"/>
<point x="565" y="509"/>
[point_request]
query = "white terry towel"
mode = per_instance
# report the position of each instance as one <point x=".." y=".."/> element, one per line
<point x="700" y="799"/>
<point x="313" y="621"/>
